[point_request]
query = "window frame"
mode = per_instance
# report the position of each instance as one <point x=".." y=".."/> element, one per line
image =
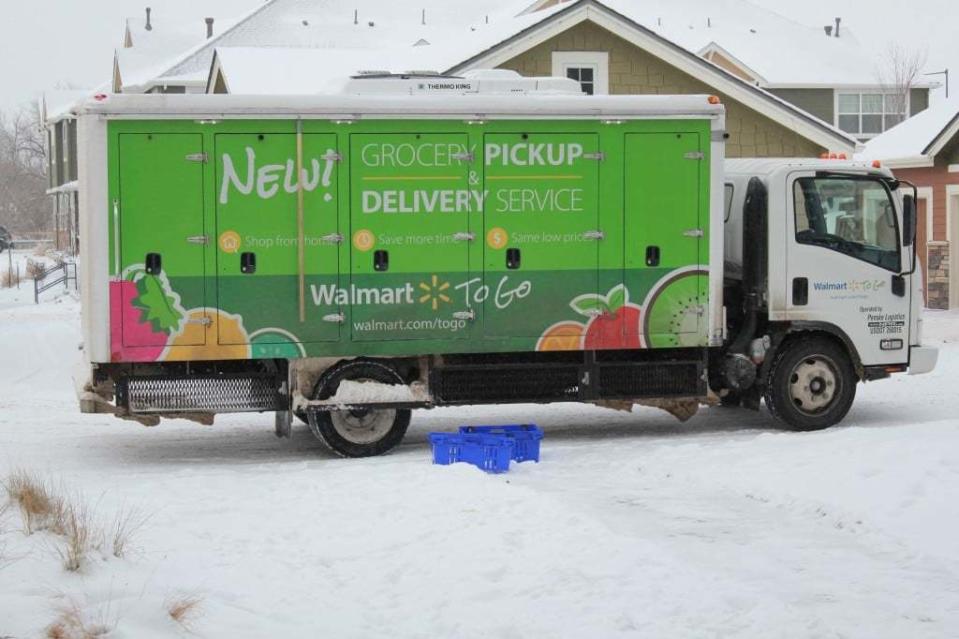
<point x="860" y="92"/>
<point x="794" y="184"/>
<point x="596" y="60"/>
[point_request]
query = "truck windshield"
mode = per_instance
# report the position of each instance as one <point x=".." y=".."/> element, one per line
<point x="854" y="216"/>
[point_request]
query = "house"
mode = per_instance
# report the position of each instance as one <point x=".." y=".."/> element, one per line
<point x="605" y="49"/>
<point x="925" y="151"/>
<point x="62" y="167"/>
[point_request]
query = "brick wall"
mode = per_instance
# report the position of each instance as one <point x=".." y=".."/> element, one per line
<point x="634" y="71"/>
<point x="938" y="267"/>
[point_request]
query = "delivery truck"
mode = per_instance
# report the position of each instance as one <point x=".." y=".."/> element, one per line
<point x="424" y="241"/>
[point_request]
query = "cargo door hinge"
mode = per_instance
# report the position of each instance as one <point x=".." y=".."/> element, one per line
<point x="693" y="233"/>
<point x="594" y="235"/>
<point x="463" y="157"/>
<point x="197" y="157"/>
<point x="599" y="156"/>
<point x="202" y="321"/>
<point x="464" y="236"/>
<point x="695" y="155"/>
<point x="333" y="238"/>
<point x="332" y="156"/>
<point x="334" y="318"/>
<point x="198" y="239"/>
<point x="469" y="315"/>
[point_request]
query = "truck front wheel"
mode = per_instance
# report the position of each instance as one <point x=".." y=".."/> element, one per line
<point x="812" y="384"/>
<point x="361" y="432"/>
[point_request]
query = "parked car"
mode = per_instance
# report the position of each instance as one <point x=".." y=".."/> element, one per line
<point x="6" y="240"/>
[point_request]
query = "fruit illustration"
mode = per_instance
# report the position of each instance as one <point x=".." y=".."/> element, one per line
<point x="211" y="334"/>
<point x="614" y="323"/>
<point x="564" y="336"/>
<point x="275" y="343"/>
<point x="674" y="311"/>
<point x="133" y="328"/>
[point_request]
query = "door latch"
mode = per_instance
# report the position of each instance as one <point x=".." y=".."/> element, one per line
<point x="332" y="238"/>
<point x="693" y="233"/>
<point x="197" y="157"/>
<point x="695" y="155"/>
<point x="202" y="321"/>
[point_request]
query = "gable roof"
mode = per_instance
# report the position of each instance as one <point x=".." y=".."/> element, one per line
<point x="561" y="17"/>
<point x="917" y="141"/>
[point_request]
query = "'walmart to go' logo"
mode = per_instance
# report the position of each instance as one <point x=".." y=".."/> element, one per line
<point x="433" y="292"/>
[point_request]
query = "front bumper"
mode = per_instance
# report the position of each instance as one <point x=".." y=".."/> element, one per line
<point x="922" y="359"/>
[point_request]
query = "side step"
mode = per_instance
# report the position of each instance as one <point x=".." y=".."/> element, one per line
<point x="226" y="393"/>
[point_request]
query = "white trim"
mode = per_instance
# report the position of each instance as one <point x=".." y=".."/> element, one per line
<point x="917" y="162"/>
<point x="953" y="168"/>
<point x="841" y="86"/>
<point x="693" y="65"/>
<point x="927" y="193"/>
<point x="952" y="210"/>
<point x="597" y="60"/>
<point x="745" y="69"/>
<point x="944" y="138"/>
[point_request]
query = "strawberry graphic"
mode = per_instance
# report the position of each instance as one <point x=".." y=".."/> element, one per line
<point x="144" y="312"/>
<point x="614" y="323"/>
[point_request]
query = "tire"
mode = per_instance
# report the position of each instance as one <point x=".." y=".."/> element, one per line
<point x="358" y="433"/>
<point x="812" y="384"/>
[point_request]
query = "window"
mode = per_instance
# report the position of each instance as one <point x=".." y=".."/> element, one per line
<point x="869" y="114"/>
<point x="589" y="68"/>
<point x="848" y="215"/>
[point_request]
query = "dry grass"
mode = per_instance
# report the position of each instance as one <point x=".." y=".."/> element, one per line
<point x="9" y="278"/>
<point x="36" y="269"/>
<point x="184" y="610"/>
<point x="71" y="623"/>
<point x="41" y="508"/>
<point x="81" y="536"/>
<point x="125" y="525"/>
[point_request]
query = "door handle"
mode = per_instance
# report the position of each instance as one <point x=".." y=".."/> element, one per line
<point x="652" y="256"/>
<point x="513" y="258"/>
<point x="800" y="291"/>
<point x="248" y="263"/>
<point x="898" y="286"/>
<point x="381" y="261"/>
<point x="153" y="263"/>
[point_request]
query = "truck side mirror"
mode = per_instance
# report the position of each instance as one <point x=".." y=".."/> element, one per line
<point x="908" y="220"/>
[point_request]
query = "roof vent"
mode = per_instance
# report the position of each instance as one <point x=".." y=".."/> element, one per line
<point x="209" y="27"/>
<point x="838" y="20"/>
<point x="828" y="30"/>
<point x="149" y="26"/>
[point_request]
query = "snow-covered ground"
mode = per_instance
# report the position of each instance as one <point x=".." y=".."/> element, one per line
<point x="632" y="524"/>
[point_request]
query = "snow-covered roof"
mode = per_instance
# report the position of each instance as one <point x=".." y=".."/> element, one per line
<point x="59" y="105"/>
<point x="918" y="140"/>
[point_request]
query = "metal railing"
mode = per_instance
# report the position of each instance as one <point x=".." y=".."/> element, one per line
<point x="62" y="273"/>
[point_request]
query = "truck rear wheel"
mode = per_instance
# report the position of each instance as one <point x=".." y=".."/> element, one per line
<point x="812" y="384"/>
<point x="361" y="432"/>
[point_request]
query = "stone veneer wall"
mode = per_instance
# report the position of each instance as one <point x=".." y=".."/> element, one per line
<point x="937" y="286"/>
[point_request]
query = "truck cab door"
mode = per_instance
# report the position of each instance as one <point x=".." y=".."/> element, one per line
<point x="844" y="262"/>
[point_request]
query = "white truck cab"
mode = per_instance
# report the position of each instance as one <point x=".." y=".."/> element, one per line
<point x="822" y="253"/>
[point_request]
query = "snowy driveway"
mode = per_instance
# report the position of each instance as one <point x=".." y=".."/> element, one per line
<point x="632" y="525"/>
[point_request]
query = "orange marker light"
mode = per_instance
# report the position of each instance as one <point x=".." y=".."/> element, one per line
<point x="824" y="155"/>
<point x="714" y="99"/>
<point x="876" y="164"/>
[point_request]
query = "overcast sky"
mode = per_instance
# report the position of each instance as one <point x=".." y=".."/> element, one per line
<point x="48" y="42"/>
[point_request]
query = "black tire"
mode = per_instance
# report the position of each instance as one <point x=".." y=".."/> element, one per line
<point x="812" y="384"/>
<point x="358" y="433"/>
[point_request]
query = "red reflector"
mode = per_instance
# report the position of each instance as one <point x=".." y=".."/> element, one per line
<point x="100" y="97"/>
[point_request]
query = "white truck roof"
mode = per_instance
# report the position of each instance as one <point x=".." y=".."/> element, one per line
<point x="494" y="105"/>
<point x="769" y="166"/>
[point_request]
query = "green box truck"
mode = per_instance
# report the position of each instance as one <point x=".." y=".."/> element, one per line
<point x="418" y="242"/>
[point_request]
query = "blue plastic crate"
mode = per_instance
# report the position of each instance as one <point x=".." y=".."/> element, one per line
<point x="526" y="436"/>
<point x="490" y="453"/>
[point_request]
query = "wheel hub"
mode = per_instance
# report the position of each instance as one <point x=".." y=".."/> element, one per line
<point x="813" y="384"/>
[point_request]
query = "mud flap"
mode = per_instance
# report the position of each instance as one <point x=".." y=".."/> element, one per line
<point x="284" y="423"/>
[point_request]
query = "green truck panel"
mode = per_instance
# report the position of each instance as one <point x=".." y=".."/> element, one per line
<point x="259" y="239"/>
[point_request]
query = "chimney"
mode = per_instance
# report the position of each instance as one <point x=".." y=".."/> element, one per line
<point x="838" y="20"/>
<point x="149" y="26"/>
<point x="209" y="27"/>
<point x="828" y="30"/>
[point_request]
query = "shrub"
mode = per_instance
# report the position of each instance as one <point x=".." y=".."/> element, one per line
<point x="36" y="269"/>
<point x="184" y="610"/>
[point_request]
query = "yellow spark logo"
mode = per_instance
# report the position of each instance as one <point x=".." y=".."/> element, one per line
<point x="433" y="293"/>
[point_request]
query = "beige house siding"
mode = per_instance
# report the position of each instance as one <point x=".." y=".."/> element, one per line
<point x="634" y="71"/>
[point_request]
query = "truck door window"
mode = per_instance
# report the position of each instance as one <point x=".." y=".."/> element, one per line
<point x="853" y="216"/>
